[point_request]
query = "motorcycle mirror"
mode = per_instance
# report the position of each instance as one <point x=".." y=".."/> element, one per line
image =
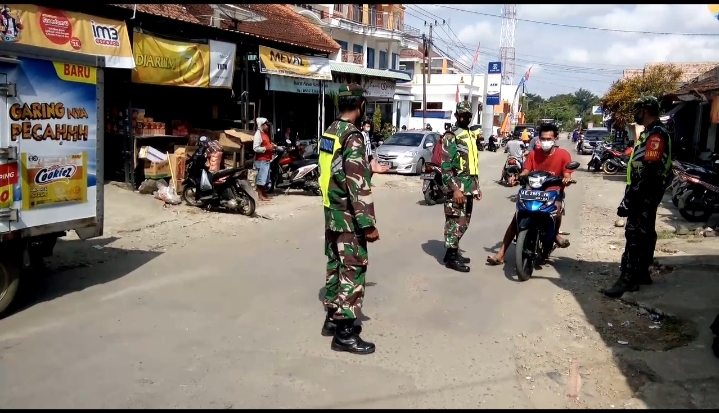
<point x="430" y="144"/>
<point x="572" y="165"/>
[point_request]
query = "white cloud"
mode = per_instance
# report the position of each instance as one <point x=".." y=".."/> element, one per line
<point x="573" y="58"/>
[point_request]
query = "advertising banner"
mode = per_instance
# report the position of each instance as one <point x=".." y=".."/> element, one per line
<point x="32" y="25"/>
<point x="494" y="83"/>
<point x="53" y="124"/>
<point x="169" y="62"/>
<point x="222" y="64"/>
<point x="277" y="62"/>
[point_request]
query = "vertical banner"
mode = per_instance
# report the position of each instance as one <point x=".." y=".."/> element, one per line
<point x="222" y="64"/>
<point x="494" y="83"/>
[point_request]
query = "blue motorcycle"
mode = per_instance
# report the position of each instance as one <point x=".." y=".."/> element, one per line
<point x="536" y="219"/>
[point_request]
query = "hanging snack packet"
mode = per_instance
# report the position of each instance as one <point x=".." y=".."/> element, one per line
<point x="53" y="180"/>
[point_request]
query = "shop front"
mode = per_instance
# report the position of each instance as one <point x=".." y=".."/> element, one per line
<point x="296" y="84"/>
<point x="176" y="94"/>
<point x="380" y="98"/>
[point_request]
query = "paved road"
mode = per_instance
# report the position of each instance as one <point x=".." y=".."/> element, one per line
<point x="236" y="322"/>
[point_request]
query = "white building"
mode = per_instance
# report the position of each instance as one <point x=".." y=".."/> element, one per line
<point x="371" y="37"/>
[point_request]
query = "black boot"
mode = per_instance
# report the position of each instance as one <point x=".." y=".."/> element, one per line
<point x="330" y="326"/>
<point x="346" y="339"/>
<point x="463" y="260"/>
<point x="644" y="279"/>
<point x="453" y="261"/>
<point x="624" y="284"/>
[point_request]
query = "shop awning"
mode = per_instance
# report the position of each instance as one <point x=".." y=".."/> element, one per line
<point x="359" y="70"/>
<point x="46" y="28"/>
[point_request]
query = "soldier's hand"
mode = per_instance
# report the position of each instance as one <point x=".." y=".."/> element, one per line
<point x="377" y="168"/>
<point x="478" y="195"/>
<point x="458" y="197"/>
<point x="371" y="234"/>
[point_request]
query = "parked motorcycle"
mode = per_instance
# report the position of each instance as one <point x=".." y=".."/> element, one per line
<point x="618" y="162"/>
<point x="536" y="219"/>
<point x="512" y="169"/>
<point x="597" y="157"/>
<point x="227" y="188"/>
<point x="680" y="170"/>
<point x="700" y="199"/>
<point x="432" y="184"/>
<point x="290" y="170"/>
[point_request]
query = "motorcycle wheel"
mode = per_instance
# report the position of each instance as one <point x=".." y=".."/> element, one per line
<point x="523" y="262"/>
<point x="429" y="196"/>
<point x="609" y="168"/>
<point x="188" y="195"/>
<point x="247" y="204"/>
<point x="691" y="211"/>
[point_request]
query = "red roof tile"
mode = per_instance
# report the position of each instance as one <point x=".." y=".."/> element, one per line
<point x="171" y="11"/>
<point x="416" y="54"/>
<point x="282" y="25"/>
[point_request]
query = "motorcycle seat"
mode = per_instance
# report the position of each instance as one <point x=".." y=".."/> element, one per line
<point x="299" y="163"/>
<point x="225" y="172"/>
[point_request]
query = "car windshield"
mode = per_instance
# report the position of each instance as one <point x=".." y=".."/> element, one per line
<point x="595" y="135"/>
<point x="405" y="139"/>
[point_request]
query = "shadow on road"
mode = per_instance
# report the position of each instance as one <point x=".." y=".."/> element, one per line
<point x="76" y="265"/>
<point x="659" y="336"/>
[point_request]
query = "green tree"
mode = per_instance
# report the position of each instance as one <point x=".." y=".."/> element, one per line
<point x="377" y="120"/>
<point x="584" y="100"/>
<point x="657" y="81"/>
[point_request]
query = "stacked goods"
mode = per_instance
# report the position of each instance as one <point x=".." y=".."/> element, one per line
<point x="146" y="126"/>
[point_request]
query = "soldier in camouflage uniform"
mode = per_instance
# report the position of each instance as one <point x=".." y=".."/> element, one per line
<point x="349" y="221"/>
<point x="460" y="175"/>
<point x="647" y="171"/>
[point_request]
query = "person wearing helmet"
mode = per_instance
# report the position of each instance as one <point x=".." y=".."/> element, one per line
<point x="460" y="175"/>
<point x="647" y="170"/>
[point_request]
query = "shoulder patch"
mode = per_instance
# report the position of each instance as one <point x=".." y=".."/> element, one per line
<point x="654" y="148"/>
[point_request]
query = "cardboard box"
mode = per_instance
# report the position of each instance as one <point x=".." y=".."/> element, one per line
<point x="157" y="170"/>
<point x="230" y="139"/>
<point x="177" y="163"/>
<point x="151" y="154"/>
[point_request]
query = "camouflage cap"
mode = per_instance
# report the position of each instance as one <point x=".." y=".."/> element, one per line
<point x="649" y="102"/>
<point x="352" y="89"/>
<point x="464" y="107"/>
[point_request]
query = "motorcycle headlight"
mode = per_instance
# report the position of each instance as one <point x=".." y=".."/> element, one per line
<point x="535" y="182"/>
<point x="410" y="154"/>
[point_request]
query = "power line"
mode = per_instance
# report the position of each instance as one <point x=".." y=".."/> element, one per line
<point x="574" y="26"/>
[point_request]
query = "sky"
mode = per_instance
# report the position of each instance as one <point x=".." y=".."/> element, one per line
<point x="564" y="59"/>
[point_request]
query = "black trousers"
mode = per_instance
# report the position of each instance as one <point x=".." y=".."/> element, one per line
<point x="641" y="237"/>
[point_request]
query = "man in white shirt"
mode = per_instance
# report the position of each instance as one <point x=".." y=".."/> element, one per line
<point x="366" y="127"/>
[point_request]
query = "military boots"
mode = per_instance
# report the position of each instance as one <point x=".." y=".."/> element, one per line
<point x="625" y="283"/>
<point x="463" y="260"/>
<point x="347" y="339"/>
<point x="330" y="326"/>
<point x="454" y="261"/>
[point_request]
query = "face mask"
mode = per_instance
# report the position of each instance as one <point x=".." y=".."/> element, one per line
<point x="546" y="145"/>
<point x="367" y="128"/>
<point x="638" y="118"/>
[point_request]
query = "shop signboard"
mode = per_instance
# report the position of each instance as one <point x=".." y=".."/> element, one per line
<point x="53" y="124"/>
<point x="174" y="63"/>
<point x="293" y="85"/>
<point x="378" y="88"/>
<point x="277" y="62"/>
<point x="494" y="83"/>
<point x="32" y="25"/>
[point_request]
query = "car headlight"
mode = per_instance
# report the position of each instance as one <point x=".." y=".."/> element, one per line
<point x="410" y="154"/>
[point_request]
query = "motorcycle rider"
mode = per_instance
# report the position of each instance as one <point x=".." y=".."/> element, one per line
<point x="552" y="159"/>
<point x="350" y="221"/>
<point x="647" y="170"/>
<point x="492" y="143"/>
<point x="460" y="174"/>
<point x="516" y="149"/>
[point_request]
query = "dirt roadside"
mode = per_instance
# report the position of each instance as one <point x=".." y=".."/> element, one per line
<point x="651" y="349"/>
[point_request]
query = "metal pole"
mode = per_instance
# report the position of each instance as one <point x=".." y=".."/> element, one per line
<point x="471" y="79"/>
<point x="429" y="56"/>
<point x="487" y="111"/>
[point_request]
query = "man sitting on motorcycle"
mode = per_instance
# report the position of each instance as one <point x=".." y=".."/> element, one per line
<point x="516" y="149"/>
<point x="552" y="159"/>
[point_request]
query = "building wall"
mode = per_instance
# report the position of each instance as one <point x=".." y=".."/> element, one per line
<point x="372" y="42"/>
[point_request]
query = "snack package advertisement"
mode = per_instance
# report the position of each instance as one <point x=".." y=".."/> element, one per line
<point x="53" y="123"/>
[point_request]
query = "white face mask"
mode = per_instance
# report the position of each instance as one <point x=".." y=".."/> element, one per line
<point x="546" y="145"/>
<point x="367" y="129"/>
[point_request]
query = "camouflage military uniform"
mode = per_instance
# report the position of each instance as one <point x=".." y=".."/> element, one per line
<point x="455" y="177"/>
<point x="350" y="213"/>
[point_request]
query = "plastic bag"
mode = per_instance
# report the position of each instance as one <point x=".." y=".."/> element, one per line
<point x="168" y="195"/>
<point x="149" y="186"/>
<point x="205" y="184"/>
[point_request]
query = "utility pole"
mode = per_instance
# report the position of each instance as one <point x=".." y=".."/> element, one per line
<point x="471" y="80"/>
<point x="429" y="56"/>
<point x="424" y="80"/>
